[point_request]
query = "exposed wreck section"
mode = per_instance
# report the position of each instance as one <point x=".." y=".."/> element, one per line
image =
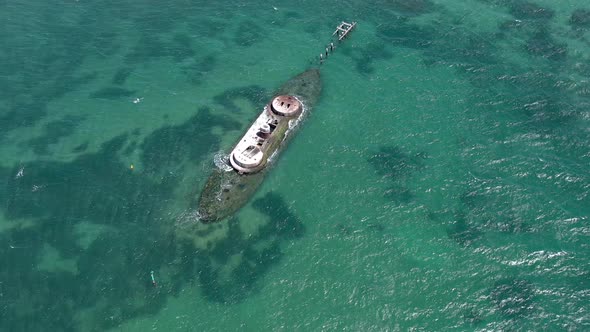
<point x="227" y="190"/>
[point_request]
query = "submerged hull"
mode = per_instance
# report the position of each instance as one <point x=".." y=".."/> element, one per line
<point x="227" y="190"/>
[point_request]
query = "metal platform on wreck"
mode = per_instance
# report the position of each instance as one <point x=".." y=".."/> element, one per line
<point x="343" y="29"/>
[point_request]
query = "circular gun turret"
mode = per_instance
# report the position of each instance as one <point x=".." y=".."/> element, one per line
<point x="285" y="106"/>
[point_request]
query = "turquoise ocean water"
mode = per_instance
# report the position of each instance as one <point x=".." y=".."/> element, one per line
<point x="441" y="183"/>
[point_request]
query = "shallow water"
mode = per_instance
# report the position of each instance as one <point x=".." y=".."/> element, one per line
<point x="440" y="183"/>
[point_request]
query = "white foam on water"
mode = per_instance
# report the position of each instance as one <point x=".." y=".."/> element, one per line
<point x="20" y="173"/>
<point x="221" y="160"/>
<point x="188" y="218"/>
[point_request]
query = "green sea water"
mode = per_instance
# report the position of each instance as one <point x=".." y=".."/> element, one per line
<point x="441" y="183"/>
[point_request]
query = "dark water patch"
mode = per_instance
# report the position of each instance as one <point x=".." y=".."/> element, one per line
<point x="22" y="114"/>
<point x="399" y="195"/>
<point x="395" y="163"/>
<point x="472" y="317"/>
<point x="536" y="91"/>
<point x="122" y="75"/>
<point x="470" y="54"/>
<point x="483" y="211"/>
<point x="463" y="232"/>
<point x="292" y="15"/>
<point x="284" y="223"/>
<point x="42" y="67"/>
<point x="458" y="228"/>
<point x="60" y="234"/>
<point x="29" y="302"/>
<point x="387" y="8"/>
<point x="580" y="19"/>
<point x="105" y="43"/>
<point x="80" y="148"/>
<point x="510" y="26"/>
<point x="364" y="57"/>
<point x="159" y="19"/>
<point x="181" y="47"/>
<point x="123" y="275"/>
<point x="197" y="72"/>
<point x="153" y="46"/>
<point x="472" y="199"/>
<point x="53" y="132"/>
<point x="255" y="94"/>
<point x="148" y="47"/>
<point x="376" y="227"/>
<point x="396" y="166"/>
<point x="499" y="211"/>
<point x="248" y="33"/>
<point x="583" y="90"/>
<point x="68" y="83"/>
<point x="541" y="99"/>
<point x="97" y="183"/>
<point x="509" y="223"/>
<point x="113" y="93"/>
<point x="168" y="147"/>
<point x="110" y="280"/>
<point x="399" y="31"/>
<point x="258" y="253"/>
<point x="209" y="28"/>
<point x="534" y="85"/>
<point x="513" y="298"/>
<point x="130" y="148"/>
<point x="204" y="232"/>
<point x="526" y="10"/>
<point x="542" y="44"/>
<point x="580" y="280"/>
<point x="345" y="229"/>
<point x="478" y="57"/>
<point x="516" y="30"/>
<point x="411" y="7"/>
<point x="550" y="114"/>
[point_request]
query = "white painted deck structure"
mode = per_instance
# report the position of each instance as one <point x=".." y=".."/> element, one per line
<point x="263" y="138"/>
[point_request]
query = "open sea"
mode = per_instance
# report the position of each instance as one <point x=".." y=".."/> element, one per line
<point x="442" y="182"/>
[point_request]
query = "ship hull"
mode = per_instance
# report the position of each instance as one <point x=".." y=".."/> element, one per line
<point x="227" y="190"/>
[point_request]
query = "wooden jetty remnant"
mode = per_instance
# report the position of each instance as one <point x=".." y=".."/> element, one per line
<point x="341" y="32"/>
<point x="343" y="29"/>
